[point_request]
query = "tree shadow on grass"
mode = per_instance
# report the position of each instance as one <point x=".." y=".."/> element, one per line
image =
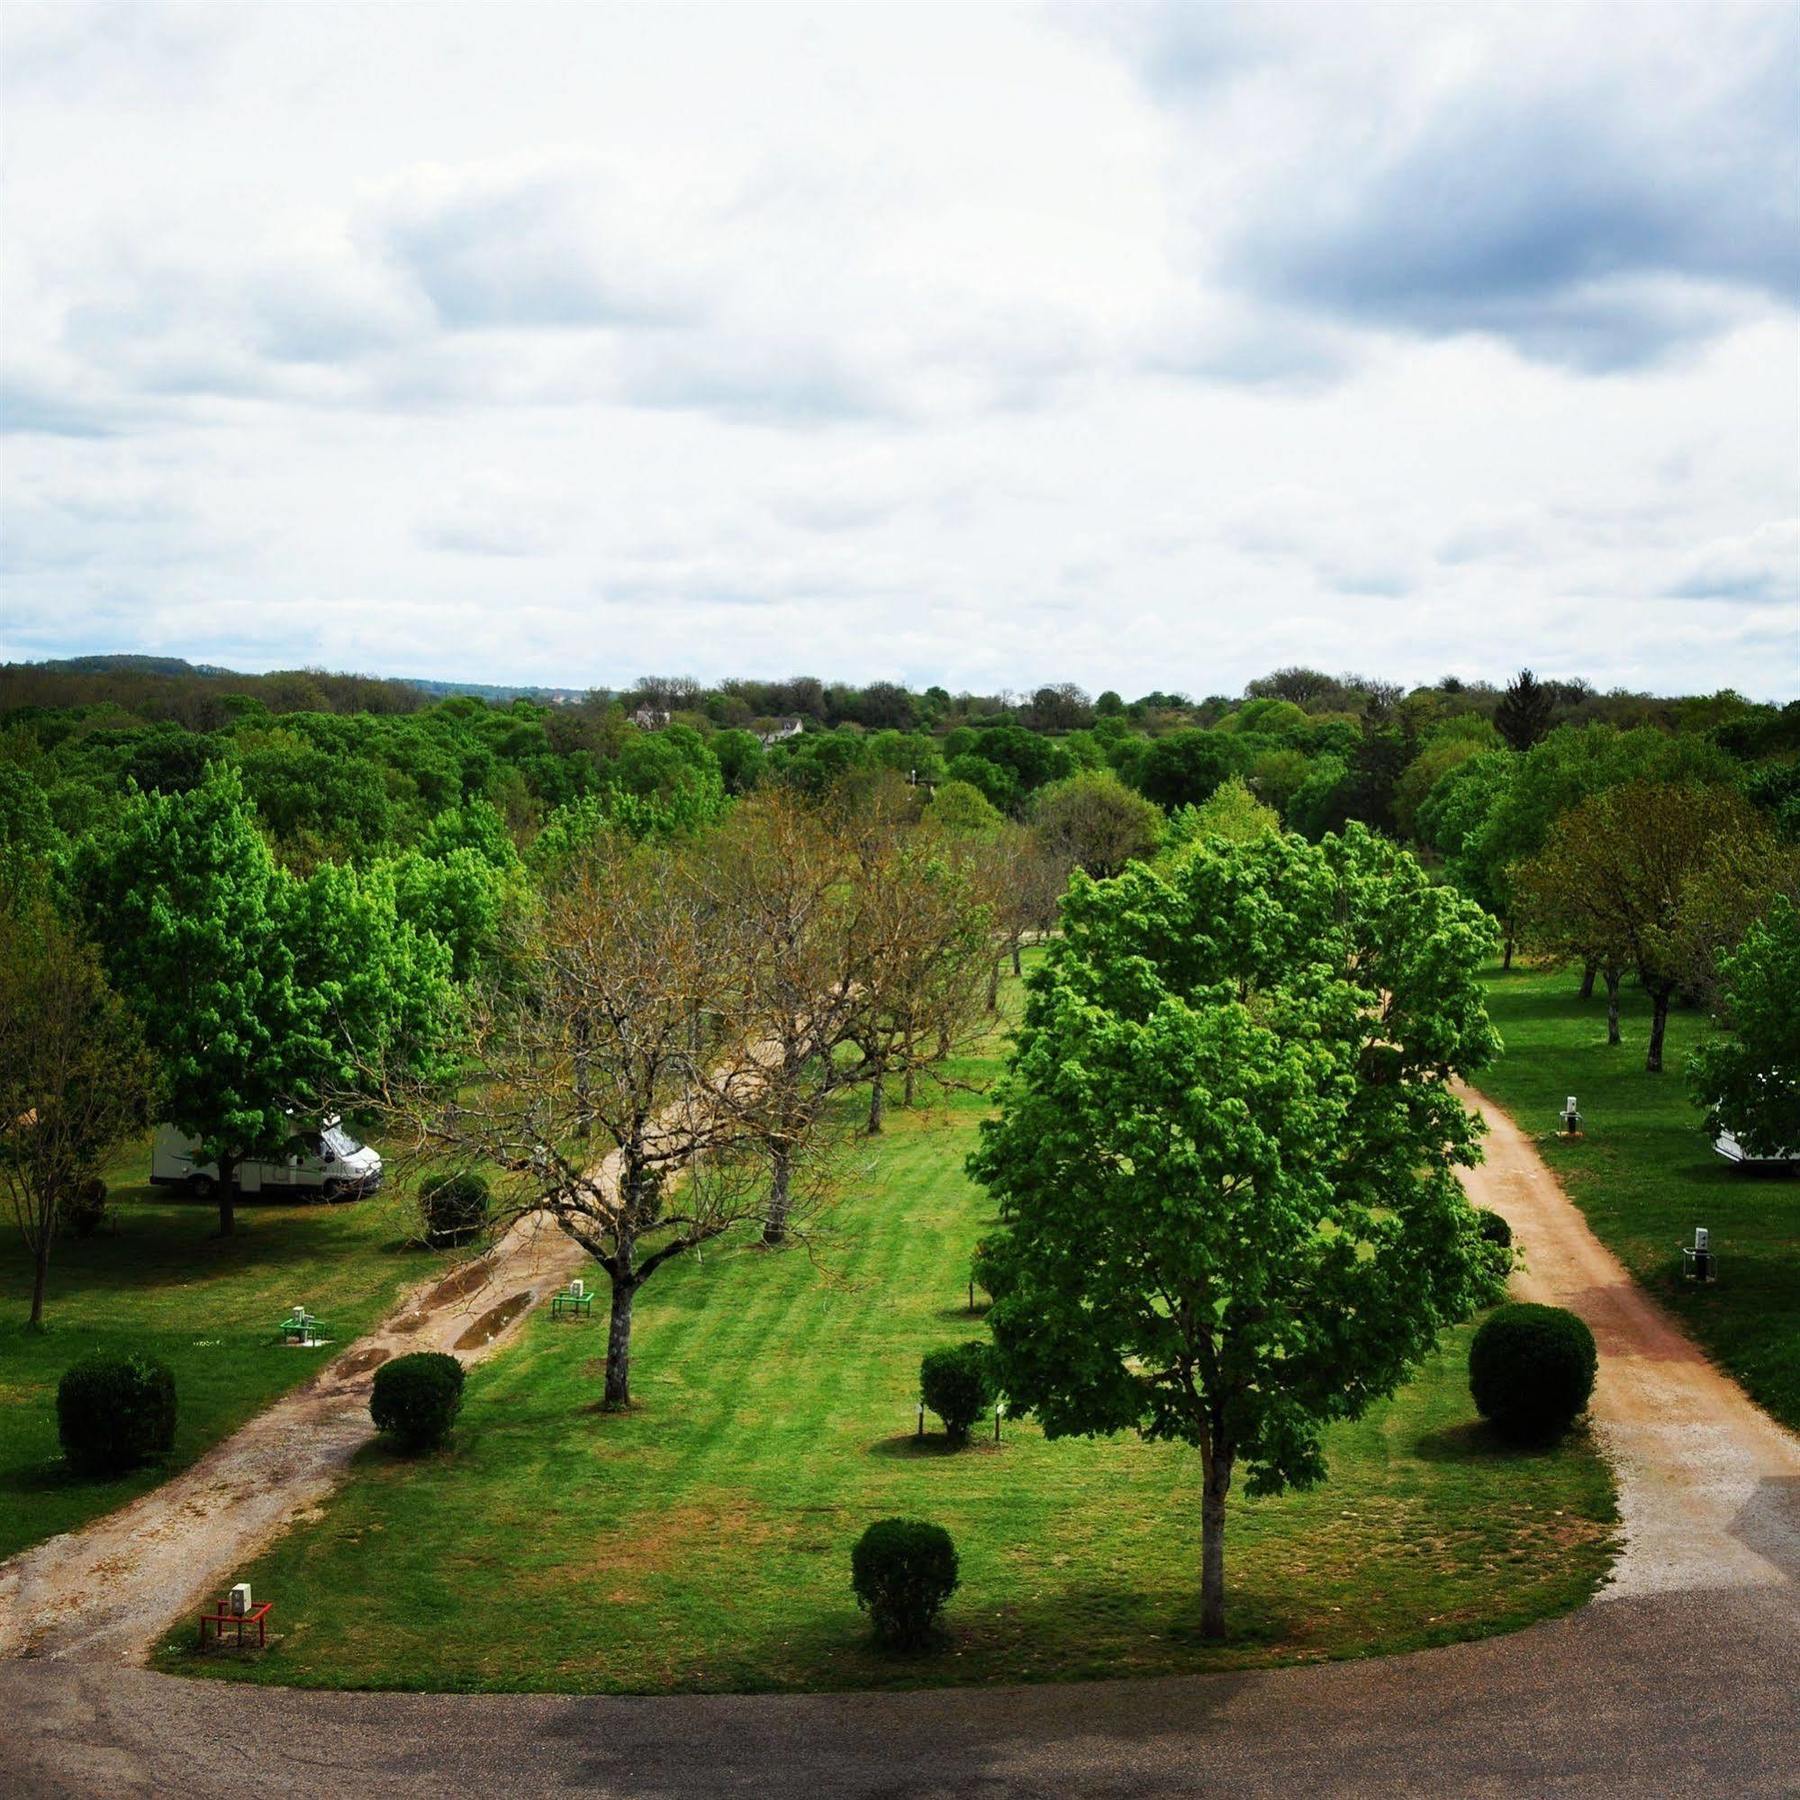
<point x="1476" y="1441"/>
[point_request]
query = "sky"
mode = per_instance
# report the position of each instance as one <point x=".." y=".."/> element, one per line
<point x="1146" y="347"/>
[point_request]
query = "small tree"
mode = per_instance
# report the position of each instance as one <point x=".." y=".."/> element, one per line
<point x="1749" y="1080"/>
<point x="1225" y="1156"/>
<point x="75" y="1079"/>
<point x="956" y="1381"/>
<point x="1093" y="821"/>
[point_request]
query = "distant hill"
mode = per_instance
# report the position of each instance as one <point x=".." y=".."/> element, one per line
<point x="176" y="668"/>
<point x="124" y="665"/>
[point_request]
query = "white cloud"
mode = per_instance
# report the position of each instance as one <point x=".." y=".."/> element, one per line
<point x="1143" y="346"/>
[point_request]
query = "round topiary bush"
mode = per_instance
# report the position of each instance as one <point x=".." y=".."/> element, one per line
<point x="957" y="1383"/>
<point x="114" y="1412"/>
<point x="1531" y="1370"/>
<point x="903" y="1570"/>
<point x="416" y="1398"/>
<point x="454" y="1207"/>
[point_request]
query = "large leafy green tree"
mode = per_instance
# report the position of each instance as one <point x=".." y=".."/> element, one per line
<point x="259" y="994"/>
<point x="1226" y="1151"/>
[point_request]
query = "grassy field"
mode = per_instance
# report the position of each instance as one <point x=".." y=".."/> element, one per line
<point x="1645" y="1175"/>
<point x="160" y="1281"/>
<point x="701" y="1542"/>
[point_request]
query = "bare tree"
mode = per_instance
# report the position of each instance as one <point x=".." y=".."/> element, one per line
<point x="929" y="934"/>
<point x="1021" y="880"/>
<point x="787" y="877"/>
<point x="75" y="1079"/>
<point x="624" y="1021"/>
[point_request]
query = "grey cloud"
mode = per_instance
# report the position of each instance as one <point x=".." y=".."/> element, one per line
<point x="543" y="248"/>
<point x="1760" y="567"/>
<point x="1594" y="207"/>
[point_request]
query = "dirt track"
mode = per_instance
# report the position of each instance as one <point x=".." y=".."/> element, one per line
<point x="1709" y="1484"/>
<point x="108" y="1590"/>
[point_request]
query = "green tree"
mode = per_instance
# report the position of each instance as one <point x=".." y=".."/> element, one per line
<point x="1523" y="715"/>
<point x="1637" y="864"/>
<point x="74" y="1076"/>
<point x="1225" y="1157"/>
<point x="1233" y="813"/>
<point x="1093" y="821"/>
<point x="1183" y="768"/>
<point x="1749" y="1080"/>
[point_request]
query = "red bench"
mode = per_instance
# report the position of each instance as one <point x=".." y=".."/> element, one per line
<point x="222" y="1615"/>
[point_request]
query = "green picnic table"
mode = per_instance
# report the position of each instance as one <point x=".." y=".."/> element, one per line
<point x="566" y="1303"/>
<point x="302" y="1327"/>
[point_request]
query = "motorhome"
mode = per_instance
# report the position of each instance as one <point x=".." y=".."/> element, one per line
<point x="326" y="1161"/>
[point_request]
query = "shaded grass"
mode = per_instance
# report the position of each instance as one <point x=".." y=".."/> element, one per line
<point x="1645" y="1173"/>
<point x="160" y="1281"/>
<point x="701" y="1542"/>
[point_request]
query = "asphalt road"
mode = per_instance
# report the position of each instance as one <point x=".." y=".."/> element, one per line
<point x="1670" y="1694"/>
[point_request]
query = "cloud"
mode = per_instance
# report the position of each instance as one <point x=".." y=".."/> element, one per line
<point x="1593" y="199"/>
<point x="554" y="244"/>
<point x="1761" y="566"/>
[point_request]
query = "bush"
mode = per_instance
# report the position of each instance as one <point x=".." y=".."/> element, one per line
<point x="957" y="1383"/>
<point x="114" y="1412"/>
<point x="82" y="1212"/>
<point x="416" y="1398"/>
<point x="1531" y="1370"/>
<point x="903" y="1570"/>
<point x="454" y="1207"/>
<point x="1493" y="1228"/>
<point x="989" y="1269"/>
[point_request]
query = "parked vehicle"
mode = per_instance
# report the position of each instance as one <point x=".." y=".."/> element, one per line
<point x="327" y="1161"/>
<point x="1732" y="1151"/>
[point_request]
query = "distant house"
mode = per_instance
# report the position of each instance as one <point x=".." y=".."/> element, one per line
<point x="780" y="729"/>
<point x="650" y="718"/>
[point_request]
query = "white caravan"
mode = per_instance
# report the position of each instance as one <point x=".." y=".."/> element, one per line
<point x="328" y="1162"/>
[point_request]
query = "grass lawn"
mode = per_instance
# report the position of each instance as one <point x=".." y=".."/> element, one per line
<point x="1645" y="1174"/>
<point x="701" y="1542"/>
<point x="207" y="1306"/>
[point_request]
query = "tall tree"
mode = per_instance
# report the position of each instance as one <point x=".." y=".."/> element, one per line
<point x="1225" y="1157"/>
<point x="185" y="901"/>
<point x="1523" y="715"/>
<point x="622" y="1022"/>
<point x="74" y="1076"/>
<point x="1093" y="821"/>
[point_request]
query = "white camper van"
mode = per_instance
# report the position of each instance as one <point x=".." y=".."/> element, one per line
<point x="328" y="1162"/>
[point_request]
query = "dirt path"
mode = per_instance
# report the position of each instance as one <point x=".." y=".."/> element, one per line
<point x="1709" y="1484"/>
<point x="107" y="1590"/>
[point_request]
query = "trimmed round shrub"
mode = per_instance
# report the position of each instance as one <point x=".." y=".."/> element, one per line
<point x="454" y="1207"/>
<point x="83" y="1211"/>
<point x="957" y="1383"/>
<point x="1531" y="1370"/>
<point x="114" y="1412"/>
<point x="903" y="1570"/>
<point x="1493" y="1228"/>
<point x="416" y="1398"/>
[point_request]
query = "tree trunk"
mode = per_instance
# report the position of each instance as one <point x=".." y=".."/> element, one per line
<point x="618" y="1341"/>
<point x="1018" y="966"/>
<point x="909" y="1088"/>
<point x="1659" y="1019"/>
<point x="877" y="1101"/>
<point x="40" y="1280"/>
<point x="993" y="993"/>
<point x="228" y="1168"/>
<point x="1217" y="1465"/>
<point x="1506" y="954"/>
<point x="781" y="1170"/>
<point x="1612" y="1006"/>
<point x="1588" y="970"/>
